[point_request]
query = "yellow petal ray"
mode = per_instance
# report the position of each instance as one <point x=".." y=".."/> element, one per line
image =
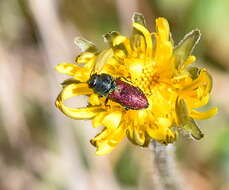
<point x="163" y="53"/>
<point x="195" y="102"/>
<point x="102" y="58"/>
<point x="197" y="91"/>
<point x="94" y="100"/>
<point x="203" y="115"/>
<point x="148" y="39"/>
<point x="137" y="39"/>
<point x="112" y="120"/>
<point x="97" y="120"/>
<point x="74" y="90"/>
<point x="76" y="113"/>
<point x="79" y="113"/>
<point x="85" y="57"/>
<point x="107" y="140"/>
<point x="118" y="40"/>
<point x="137" y="136"/>
<point x="79" y="73"/>
<point x="161" y="134"/>
<point x="162" y="28"/>
<point x="138" y="45"/>
<point x="119" y="44"/>
<point x="164" y="47"/>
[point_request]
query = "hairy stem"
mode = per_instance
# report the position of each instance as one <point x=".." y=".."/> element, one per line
<point x="164" y="164"/>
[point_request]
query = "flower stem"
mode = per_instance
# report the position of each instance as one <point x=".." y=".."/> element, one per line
<point x="164" y="164"/>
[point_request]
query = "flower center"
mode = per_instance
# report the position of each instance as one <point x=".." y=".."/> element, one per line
<point x="147" y="79"/>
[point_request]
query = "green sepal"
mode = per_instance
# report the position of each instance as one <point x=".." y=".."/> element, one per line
<point x="85" y="45"/>
<point x="139" y="18"/>
<point x="137" y="38"/>
<point x="185" y="47"/>
<point x="186" y="122"/>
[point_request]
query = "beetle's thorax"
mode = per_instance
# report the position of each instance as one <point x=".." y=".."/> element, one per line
<point x="101" y="84"/>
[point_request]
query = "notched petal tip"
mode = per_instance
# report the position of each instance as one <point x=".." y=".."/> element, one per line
<point x="85" y="45"/>
<point x="138" y="18"/>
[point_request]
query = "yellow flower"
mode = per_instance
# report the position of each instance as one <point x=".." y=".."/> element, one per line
<point x="161" y="70"/>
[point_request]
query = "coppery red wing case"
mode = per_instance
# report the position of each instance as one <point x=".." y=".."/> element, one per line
<point x="128" y="96"/>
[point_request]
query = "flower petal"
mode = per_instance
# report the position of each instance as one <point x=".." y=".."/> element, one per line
<point x="120" y="44"/>
<point x="147" y="36"/>
<point x="203" y="115"/>
<point x="196" y="92"/>
<point x="76" y="113"/>
<point x="79" y="73"/>
<point x="137" y="39"/>
<point x="162" y="134"/>
<point x="137" y="136"/>
<point x="162" y="28"/>
<point x="107" y="140"/>
<point x="85" y="57"/>
<point x="102" y="58"/>
<point x="74" y="90"/>
<point x="79" y="113"/>
<point x="94" y="100"/>
<point x="112" y="120"/>
<point x="97" y="120"/>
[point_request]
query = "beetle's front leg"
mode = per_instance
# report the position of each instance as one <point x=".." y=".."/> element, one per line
<point x="105" y="103"/>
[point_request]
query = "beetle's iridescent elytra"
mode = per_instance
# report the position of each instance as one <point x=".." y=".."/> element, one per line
<point x="119" y="91"/>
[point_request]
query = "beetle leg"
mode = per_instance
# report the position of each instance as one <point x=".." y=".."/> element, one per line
<point x="126" y="108"/>
<point x="106" y="103"/>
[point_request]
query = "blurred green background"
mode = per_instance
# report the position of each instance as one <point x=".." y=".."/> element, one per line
<point x="41" y="149"/>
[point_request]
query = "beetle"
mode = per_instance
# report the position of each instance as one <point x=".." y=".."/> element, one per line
<point x="117" y="90"/>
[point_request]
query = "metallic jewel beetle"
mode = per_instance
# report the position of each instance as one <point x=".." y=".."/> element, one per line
<point x="116" y="89"/>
